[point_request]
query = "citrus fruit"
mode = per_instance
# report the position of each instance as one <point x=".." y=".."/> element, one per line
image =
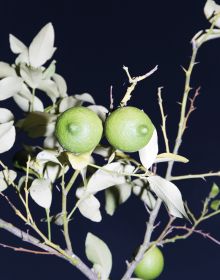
<point x="128" y="129"/>
<point x="151" y="265"/>
<point x="78" y="130"/>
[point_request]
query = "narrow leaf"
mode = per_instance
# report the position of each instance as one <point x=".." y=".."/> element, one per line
<point x="106" y="177"/>
<point x="42" y="47"/>
<point x="16" y="45"/>
<point x="164" y="157"/>
<point x="170" y="194"/>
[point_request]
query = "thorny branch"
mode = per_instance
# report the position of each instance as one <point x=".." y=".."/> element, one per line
<point x="133" y="82"/>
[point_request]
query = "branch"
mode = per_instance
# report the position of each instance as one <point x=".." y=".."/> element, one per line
<point x="191" y="108"/>
<point x="164" y="118"/>
<point x="26" y="237"/>
<point x="195" y="176"/>
<point x="190" y="231"/>
<point x="65" y="192"/>
<point x="133" y="82"/>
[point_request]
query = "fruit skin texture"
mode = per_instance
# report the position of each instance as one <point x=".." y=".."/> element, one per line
<point x="128" y="129"/>
<point x="78" y="130"/>
<point x="151" y="265"/>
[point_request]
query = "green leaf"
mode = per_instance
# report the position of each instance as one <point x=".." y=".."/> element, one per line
<point x="99" y="254"/>
<point x="215" y="205"/>
<point x="214" y="191"/>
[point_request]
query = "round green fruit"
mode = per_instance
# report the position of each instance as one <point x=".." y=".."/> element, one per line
<point x="128" y="129"/>
<point x="151" y="265"/>
<point x="78" y="130"/>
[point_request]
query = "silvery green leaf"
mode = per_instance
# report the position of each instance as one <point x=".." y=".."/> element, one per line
<point x="85" y="97"/>
<point x="165" y="157"/>
<point x="149" y="153"/>
<point x="7" y="136"/>
<point x="52" y="171"/>
<point x="9" y="86"/>
<point x="3" y="185"/>
<point x="6" y="70"/>
<point x="42" y="47"/>
<point x="8" y="175"/>
<point x="210" y="10"/>
<point x="214" y="191"/>
<point x="50" y="142"/>
<point x="38" y="124"/>
<point x="24" y="99"/>
<point x="37" y="166"/>
<point x="169" y="194"/>
<point x="16" y="45"/>
<point x="48" y="156"/>
<point x="6" y="115"/>
<point x="89" y="208"/>
<point x="145" y="195"/>
<point x="31" y="76"/>
<point x="79" y="162"/>
<point x="68" y="102"/>
<point x="61" y="84"/>
<point x="50" y="88"/>
<point x="22" y="58"/>
<point x="102" y="151"/>
<point x="98" y="253"/>
<point x="115" y="196"/>
<point x="215" y="205"/>
<point x="101" y="111"/>
<point x="50" y="71"/>
<point x="41" y="193"/>
<point x="106" y="177"/>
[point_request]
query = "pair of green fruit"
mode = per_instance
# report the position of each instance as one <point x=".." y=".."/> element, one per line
<point x="79" y="129"/>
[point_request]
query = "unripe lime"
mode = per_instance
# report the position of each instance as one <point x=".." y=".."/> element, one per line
<point x="128" y="129"/>
<point x="151" y="265"/>
<point x="78" y="130"/>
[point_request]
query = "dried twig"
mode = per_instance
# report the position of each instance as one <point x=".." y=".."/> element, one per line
<point x="164" y="118"/>
<point x="133" y="82"/>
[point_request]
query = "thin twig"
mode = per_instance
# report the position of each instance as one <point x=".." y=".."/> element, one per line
<point x="133" y="82"/>
<point x="192" y="108"/>
<point x="195" y="176"/>
<point x="24" y="250"/>
<point x="164" y="118"/>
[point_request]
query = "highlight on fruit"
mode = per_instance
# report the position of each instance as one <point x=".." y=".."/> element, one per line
<point x="128" y="129"/>
<point x="79" y="130"/>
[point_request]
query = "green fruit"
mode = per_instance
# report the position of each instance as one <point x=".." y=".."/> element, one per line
<point x="128" y="129"/>
<point x="78" y="130"/>
<point x="151" y="265"/>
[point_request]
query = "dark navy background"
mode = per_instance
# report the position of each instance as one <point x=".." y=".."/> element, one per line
<point x="94" y="41"/>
